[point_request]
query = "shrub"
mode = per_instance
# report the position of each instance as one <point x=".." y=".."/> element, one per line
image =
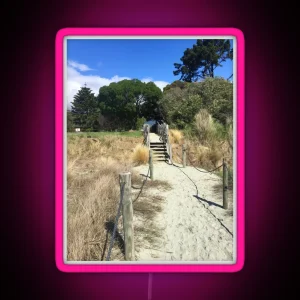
<point x="175" y="136"/>
<point x="140" y="154"/>
<point x="139" y="123"/>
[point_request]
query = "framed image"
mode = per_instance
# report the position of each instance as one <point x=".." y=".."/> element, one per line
<point x="149" y="150"/>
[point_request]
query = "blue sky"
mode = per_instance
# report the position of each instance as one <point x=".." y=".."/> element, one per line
<point x="100" y="62"/>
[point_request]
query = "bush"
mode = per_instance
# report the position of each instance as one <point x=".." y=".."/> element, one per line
<point x="140" y="154"/>
<point x="175" y="136"/>
<point x="139" y="123"/>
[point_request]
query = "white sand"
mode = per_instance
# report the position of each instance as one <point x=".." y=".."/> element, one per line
<point x="189" y="229"/>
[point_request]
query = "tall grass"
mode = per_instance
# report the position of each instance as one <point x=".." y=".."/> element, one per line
<point x="208" y="142"/>
<point x="93" y="167"/>
<point x="175" y="136"/>
<point x="93" y="194"/>
<point x="140" y="155"/>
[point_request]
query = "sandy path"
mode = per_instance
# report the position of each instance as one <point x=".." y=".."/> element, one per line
<point x="191" y="227"/>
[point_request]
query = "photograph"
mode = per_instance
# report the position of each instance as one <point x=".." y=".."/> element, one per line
<point x="149" y="130"/>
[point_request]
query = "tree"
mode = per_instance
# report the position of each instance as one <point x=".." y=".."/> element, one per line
<point x="70" y="121"/>
<point x="85" y="109"/>
<point x="174" y="84"/>
<point x="126" y="101"/>
<point x="180" y="106"/>
<point x="202" y="59"/>
<point x="217" y="96"/>
<point x="213" y="94"/>
<point x="149" y="108"/>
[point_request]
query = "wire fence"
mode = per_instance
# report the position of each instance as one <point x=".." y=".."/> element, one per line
<point x="119" y="213"/>
<point x="205" y="170"/>
<point x="141" y="188"/>
<point x="116" y="223"/>
<point x="162" y="132"/>
<point x="197" y="194"/>
<point x="210" y="171"/>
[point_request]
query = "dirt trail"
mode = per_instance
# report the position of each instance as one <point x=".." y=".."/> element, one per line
<point x="193" y="227"/>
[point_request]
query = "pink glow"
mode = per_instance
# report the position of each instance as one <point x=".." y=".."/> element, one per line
<point x="59" y="150"/>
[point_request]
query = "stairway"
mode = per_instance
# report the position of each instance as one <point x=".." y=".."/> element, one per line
<point x="159" y="151"/>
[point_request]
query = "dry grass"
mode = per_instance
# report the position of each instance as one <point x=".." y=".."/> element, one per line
<point x="204" y="123"/>
<point x="147" y="231"/>
<point x="140" y="155"/>
<point x="175" y="136"/>
<point x="208" y="148"/>
<point x="159" y="184"/>
<point x="93" y="195"/>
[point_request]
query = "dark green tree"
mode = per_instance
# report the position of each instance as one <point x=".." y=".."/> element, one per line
<point x="202" y="59"/>
<point x="85" y="110"/>
<point x="70" y="121"/>
<point x="217" y="96"/>
<point x="126" y="101"/>
<point x="174" y="84"/>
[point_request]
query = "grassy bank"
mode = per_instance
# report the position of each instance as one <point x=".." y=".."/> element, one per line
<point x="93" y="194"/>
<point x="106" y="133"/>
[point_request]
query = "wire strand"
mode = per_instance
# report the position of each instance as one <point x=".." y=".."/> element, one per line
<point x="116" y="223"/>
<point x="142" y="186"/>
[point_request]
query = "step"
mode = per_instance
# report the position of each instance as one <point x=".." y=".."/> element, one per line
<point x="160" y="159"/>
<point x="158" y="147"/>
<point x="159" y="151"/>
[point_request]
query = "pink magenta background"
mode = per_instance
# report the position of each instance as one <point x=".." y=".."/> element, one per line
<point x="59" y="150"/>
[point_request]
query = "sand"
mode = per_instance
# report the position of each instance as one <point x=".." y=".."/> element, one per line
<point x="193" y="227"/>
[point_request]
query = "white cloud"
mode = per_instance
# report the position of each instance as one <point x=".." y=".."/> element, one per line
<point x="160" y="84"/>
<point x="78" y="66"/>
<point x="76" y="80"/>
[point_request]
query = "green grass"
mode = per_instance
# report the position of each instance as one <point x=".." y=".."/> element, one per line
<point x="106" y="133"/>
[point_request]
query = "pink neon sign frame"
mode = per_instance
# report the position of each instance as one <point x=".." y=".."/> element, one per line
<point x="59" y="159"/>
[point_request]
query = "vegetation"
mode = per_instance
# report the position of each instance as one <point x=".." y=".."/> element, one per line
<point x="93" y="168"/>
<point x="85" y="110"/>
<point x="202" y="59"/>
<point x="199" y="113"/>
<point x="140" y="154"/>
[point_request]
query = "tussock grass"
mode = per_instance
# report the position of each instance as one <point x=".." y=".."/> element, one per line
<point x="175" y="136"/>
<point x="93" y="194"/>
<point x="208" y="142"/>
<point x="140" y="155"/>
<point x="206" y="128"/>
<point x="92" y="200"/>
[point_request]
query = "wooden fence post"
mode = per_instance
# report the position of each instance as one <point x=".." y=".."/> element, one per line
<point x="127" y="216"/>
<point x="225" y="185"/>
<point x="151" y="163"/>
<point x="148" y="136"/>
<point x="184" y="155"/>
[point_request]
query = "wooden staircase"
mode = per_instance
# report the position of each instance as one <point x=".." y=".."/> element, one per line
<point x="159" y="151"/>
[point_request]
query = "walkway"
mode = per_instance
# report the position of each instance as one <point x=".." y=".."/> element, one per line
<point x="192" y="227"/>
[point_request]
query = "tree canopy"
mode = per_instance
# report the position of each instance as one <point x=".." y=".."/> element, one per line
<point x="85" y="110"/>
<point x="202" y="59"/>
<point x="180" y="105"/>
<point x="128" y="100"/>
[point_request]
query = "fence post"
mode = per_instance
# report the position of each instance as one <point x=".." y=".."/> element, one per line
<point x="151" y="163"/>
<point x="225" y="185"/>
<point x="148" y="136"/>
<point x="170" y="153"/>
<point x="184" y="155"/>
<point x="127" y="216"/>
